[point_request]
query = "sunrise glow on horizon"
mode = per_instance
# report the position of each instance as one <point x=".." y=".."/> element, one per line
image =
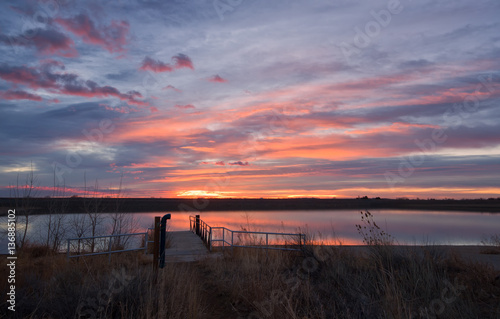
<point x="251" y="99"/>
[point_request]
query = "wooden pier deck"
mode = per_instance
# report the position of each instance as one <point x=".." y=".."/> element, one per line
<point x="185" y="246"/>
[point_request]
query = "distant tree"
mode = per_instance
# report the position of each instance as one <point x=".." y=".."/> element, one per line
<point x="24" y="199"/>
<point x="92" y="205"/>
<point x="56" y="222"/>
<point x="121" y="223"/>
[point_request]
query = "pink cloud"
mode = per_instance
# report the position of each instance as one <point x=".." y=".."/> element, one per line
<point x="112" y="37"/>
<point x="153" y="109"/>
<point x="91" y="89"/>
<point x="46" y="42"/>
<point x="45" y="77"/>
<point x="182" y="61"/>
<point x="155" y="65"/>
<point x="42" y="77"/>
<point x="184" y="107"/>
<point x="171" y="87"/>
<point x="217" y="78"/>
<point x="218" y="163"/>
<point x="19" y="95"/>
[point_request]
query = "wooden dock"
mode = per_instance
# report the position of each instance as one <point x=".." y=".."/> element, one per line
<point x="185" y="246"/>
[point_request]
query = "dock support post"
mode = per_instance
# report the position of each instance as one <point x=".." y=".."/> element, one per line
<point x="156" y="244"/>
<point x="198" y="225"/>
<point x="163" y="239"/>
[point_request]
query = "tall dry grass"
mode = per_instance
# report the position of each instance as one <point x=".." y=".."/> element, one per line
<point x="379" y="280"/>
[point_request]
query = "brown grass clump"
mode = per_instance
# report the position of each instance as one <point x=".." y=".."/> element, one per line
<point x="491" y="245"/>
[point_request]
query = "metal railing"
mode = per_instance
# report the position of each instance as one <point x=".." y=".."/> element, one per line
<point x="208" y="234"/>
<point x="146" y="239"/>
<point x="100" y="242"/>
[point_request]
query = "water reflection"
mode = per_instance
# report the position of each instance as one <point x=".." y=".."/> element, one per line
<point x="408" y="227"/>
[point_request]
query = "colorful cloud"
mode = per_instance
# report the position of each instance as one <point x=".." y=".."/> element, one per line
<point x="185" y="107"/>
<point x="45" y="41"/>
<point x="112" y="37"/>
<point x="217" y="78"/>
<point x="157" y="66"/>
<point x="46" y="77"/>
<point x="19" y="95"/>
<point x="182" y="61"/>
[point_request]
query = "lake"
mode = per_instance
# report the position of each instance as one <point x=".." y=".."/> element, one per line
<point x="406" y="226"/>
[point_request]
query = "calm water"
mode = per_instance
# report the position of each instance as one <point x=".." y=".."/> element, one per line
<point x="408" y="227"/>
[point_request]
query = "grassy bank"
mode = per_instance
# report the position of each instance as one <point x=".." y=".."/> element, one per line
<point x="320" y="282"/>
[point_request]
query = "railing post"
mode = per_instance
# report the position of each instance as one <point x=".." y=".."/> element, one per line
<point x="210" y="240"/>
<point x="156" y="245"/>
<point x="267" y="247"/>
<point x="146" y="242"/>
<point x="109" y="249"/>
<point x="67" y="253"/>
<point x="198" y="225"/>
<point x="163" y="239"/>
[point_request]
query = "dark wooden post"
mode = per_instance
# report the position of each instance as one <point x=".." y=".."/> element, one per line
<point x="156" y="245"/>
<point x="198" y="225"/>
<point x="163" y="227"/>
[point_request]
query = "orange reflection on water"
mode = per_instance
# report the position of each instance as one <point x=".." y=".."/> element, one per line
<point x="332" y="227"/>
<point x="311" y="224"/>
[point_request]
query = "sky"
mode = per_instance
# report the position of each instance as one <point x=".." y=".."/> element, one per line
<point x="238" y="98"/>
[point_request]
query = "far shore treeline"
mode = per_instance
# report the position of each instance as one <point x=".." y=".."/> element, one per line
<point x="78" y="204"/>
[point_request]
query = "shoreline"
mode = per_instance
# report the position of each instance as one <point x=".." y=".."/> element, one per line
<point x="136" y="205"/>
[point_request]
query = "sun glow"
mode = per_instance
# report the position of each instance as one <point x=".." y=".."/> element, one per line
<point x="202" y="193"/>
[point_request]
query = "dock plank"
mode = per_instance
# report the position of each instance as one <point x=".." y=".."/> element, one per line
<point x="185" y="246"/>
